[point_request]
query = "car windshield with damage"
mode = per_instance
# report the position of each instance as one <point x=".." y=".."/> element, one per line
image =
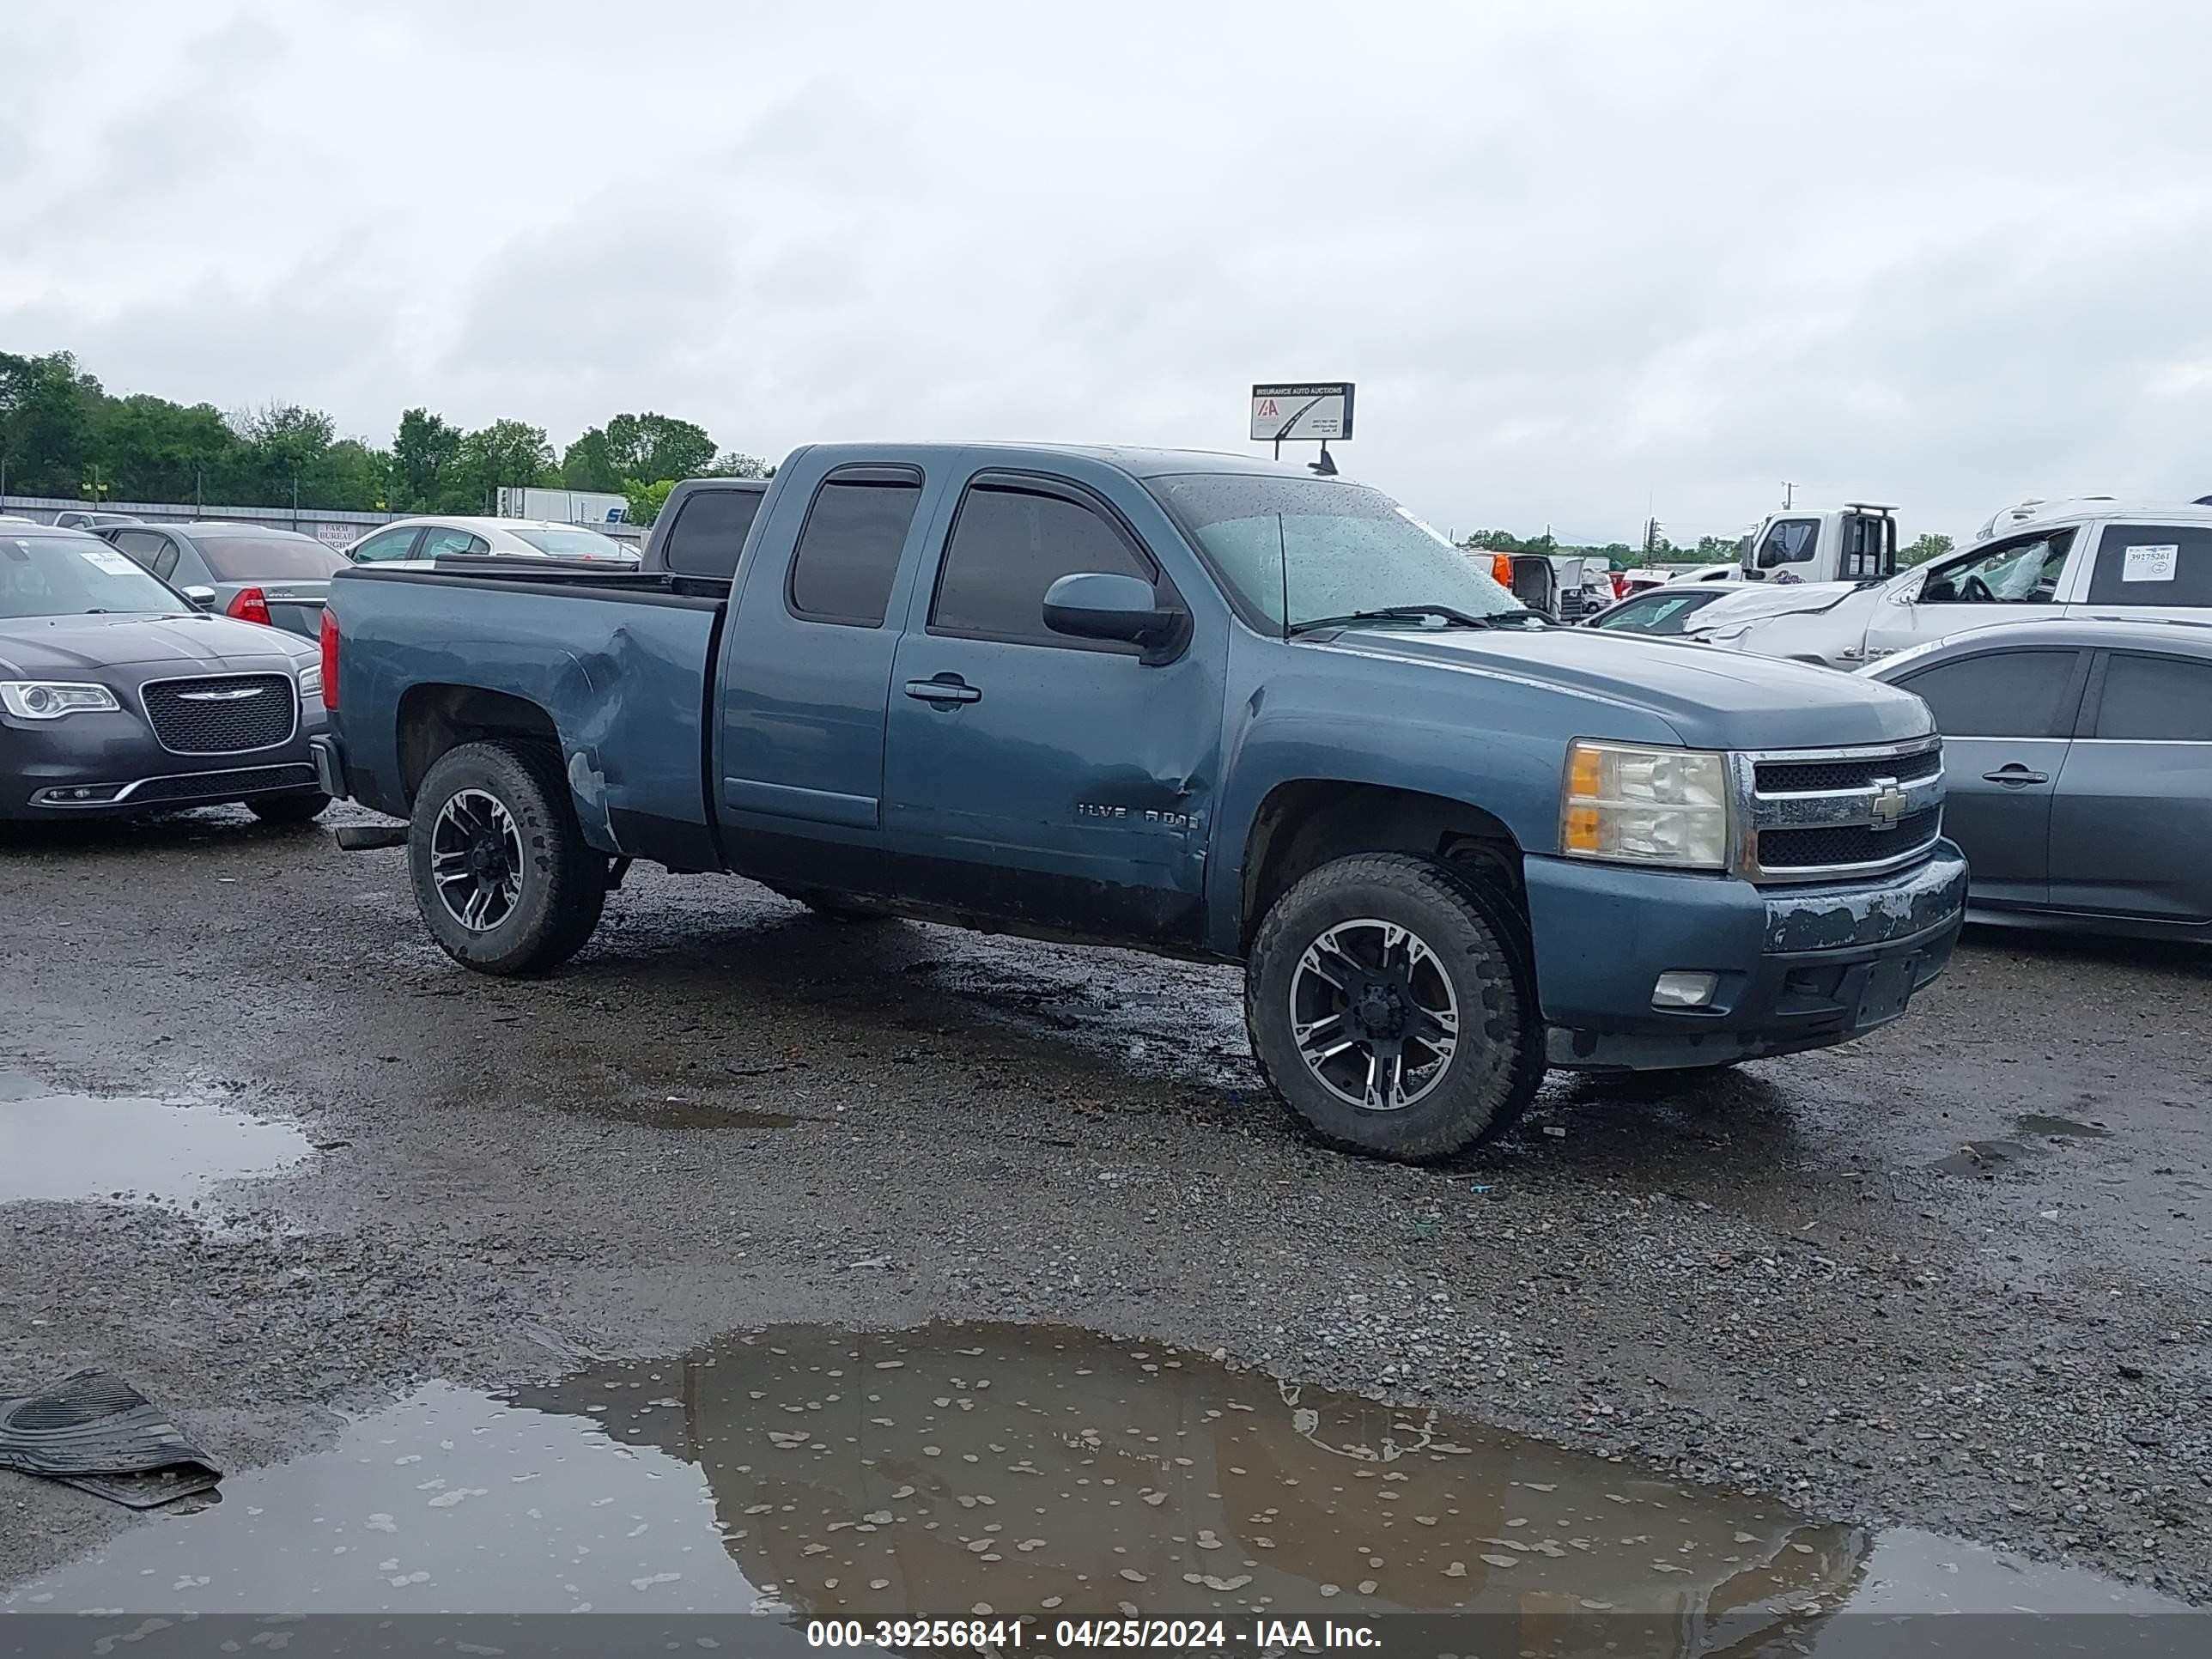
<point x="75" y="576"/>
<point x="1329" y="548"/>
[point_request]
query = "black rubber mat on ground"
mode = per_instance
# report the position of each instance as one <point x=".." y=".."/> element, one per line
<point x="95" y="1430"/>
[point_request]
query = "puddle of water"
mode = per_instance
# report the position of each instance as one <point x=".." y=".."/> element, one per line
<point x="1977" y="1157"/>
<point x="65" y="1146"/>
<point x="1040" y="1473"/>
<point x="2037" y="1124"/>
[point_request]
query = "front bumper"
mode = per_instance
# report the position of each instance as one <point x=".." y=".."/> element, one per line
<point x="1798" y="967"/>
<point x="110" y="765"/>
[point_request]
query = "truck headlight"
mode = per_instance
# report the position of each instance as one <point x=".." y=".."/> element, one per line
<point x="1635" y="804"/>
<point x="49" y="699"/>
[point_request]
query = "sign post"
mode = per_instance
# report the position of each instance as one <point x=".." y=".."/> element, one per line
<point x="1303" y="411"/>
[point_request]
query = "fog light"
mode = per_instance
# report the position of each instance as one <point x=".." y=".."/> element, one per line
<point x="1678" y="988"/>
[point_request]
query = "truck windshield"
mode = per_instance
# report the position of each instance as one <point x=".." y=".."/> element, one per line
<point x="1333" y="547"/>
<point x="75" y="576"/>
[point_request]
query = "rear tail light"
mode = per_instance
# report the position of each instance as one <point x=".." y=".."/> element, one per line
<point x="1619" y="584"/>
<point x="250" y="605"/>
<point x="329" y="642"/>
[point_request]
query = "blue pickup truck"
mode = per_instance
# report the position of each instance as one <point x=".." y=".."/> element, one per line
<point x="1203" y="705"/>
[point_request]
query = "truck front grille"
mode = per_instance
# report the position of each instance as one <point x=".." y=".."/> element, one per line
<point x="1847" y="844"/>
<point x="226" y="715"/>
<point x="1822" y="777"/>
<point x="1821" y="815"/>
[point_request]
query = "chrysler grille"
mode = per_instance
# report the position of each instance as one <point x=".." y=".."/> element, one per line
<point x="229" y="714"/>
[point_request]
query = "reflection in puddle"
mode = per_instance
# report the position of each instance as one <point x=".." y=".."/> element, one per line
<point x="62" y="1146"/>
<point x="1034" y="1471"/>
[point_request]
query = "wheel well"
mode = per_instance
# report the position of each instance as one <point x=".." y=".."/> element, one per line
<point x="433" y="719"/>
<point x="1303" y="825"/>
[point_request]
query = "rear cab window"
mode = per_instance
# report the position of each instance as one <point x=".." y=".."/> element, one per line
<point x="850" y="545"/>
<point x="2168" y="566"/>
<point x="709" y="531"/>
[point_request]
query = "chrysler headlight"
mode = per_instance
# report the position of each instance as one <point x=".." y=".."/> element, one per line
<point x="49" y="699"/>
<point x="1634" y="805"/>
<point x="311" y="682"/>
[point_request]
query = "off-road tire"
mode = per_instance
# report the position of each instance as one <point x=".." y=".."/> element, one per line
<point x="563" y="878"/>
<point x="1480" y="942"/>
<point x="289" y="809"/>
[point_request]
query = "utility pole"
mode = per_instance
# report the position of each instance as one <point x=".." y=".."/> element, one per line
<point x="1789" y="494"/>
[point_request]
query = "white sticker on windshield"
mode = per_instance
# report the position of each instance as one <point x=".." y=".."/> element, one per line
<point x="113" y="564"/>
<point x="2150" y="564"/>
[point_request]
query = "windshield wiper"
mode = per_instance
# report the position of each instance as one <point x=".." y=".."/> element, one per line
<point x="1451" y="615"/>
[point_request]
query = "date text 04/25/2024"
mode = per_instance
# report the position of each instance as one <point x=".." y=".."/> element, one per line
<point x="1018" y="1635"/>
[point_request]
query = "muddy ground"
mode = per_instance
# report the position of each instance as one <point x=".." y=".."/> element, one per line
<point x="1954" y="1277"/>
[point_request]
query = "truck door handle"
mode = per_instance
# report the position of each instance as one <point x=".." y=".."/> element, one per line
<point x="2015" y="774"/>
<point x="944" y="688"/>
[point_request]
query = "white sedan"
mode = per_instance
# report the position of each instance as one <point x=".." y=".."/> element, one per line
<point x="419" y="543"/>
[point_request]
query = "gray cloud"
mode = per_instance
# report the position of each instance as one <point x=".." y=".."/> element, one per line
<point x="1580" y="259"/>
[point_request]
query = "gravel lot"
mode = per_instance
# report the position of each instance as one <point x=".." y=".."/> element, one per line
<point x="1956" y="1276"/>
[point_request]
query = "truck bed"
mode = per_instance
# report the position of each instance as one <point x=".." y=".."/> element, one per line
<point x="618" y="662"/>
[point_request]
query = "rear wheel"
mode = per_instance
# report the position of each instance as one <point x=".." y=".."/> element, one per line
<point x="289" y="809"/>
<point x="1391" y="1004"/>
<point x="502" y="874"/>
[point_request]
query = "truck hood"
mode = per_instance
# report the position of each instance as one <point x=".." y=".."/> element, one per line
<point x="1713" y="699"/>
<point x="52" y="647"/>
<point x="1756" y="600"/>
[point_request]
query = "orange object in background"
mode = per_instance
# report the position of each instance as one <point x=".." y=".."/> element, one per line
<point x="1501" y="570"/>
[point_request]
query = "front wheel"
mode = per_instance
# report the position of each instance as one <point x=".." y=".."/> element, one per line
<point x="502" y="874"/>
<point x="1391" y="1004"/>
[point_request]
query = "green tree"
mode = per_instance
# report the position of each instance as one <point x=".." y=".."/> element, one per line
<point x="586" y="465"/>
<point x="157" y="451"/>
<point x="507" y="455"/>
<point x="646" y="500"/>
<point x="46" y="409"/>
<point x="734" y="464"/>
<point x="651" y="446"/>
<point x="423" y="452"/>
<point x="351" y="477"/>
<point x="279" y="449"/>
<point x="1923" y="547"/>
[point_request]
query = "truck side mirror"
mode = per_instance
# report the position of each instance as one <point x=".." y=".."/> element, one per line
<point x="1099" y="606"/>
<point x="201" y="598"/>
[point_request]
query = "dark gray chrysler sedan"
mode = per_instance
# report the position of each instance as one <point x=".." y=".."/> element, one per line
<point x="117" y="697"/>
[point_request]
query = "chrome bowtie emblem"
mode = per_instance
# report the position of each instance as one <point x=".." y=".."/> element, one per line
<point x="1889" y="802"/>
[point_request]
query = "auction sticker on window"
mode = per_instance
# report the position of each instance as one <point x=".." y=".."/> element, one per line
<point x="2150" y="564"/>
<point x="113" y="564"/>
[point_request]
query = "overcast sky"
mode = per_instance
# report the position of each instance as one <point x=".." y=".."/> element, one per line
<point x="1580" y="258"/>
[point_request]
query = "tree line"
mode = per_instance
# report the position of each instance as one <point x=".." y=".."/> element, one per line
<point x="62" y="434"/>
<point x="1657" y="549"/>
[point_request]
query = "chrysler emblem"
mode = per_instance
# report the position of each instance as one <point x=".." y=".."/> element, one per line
<point x="231" y="695"/>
